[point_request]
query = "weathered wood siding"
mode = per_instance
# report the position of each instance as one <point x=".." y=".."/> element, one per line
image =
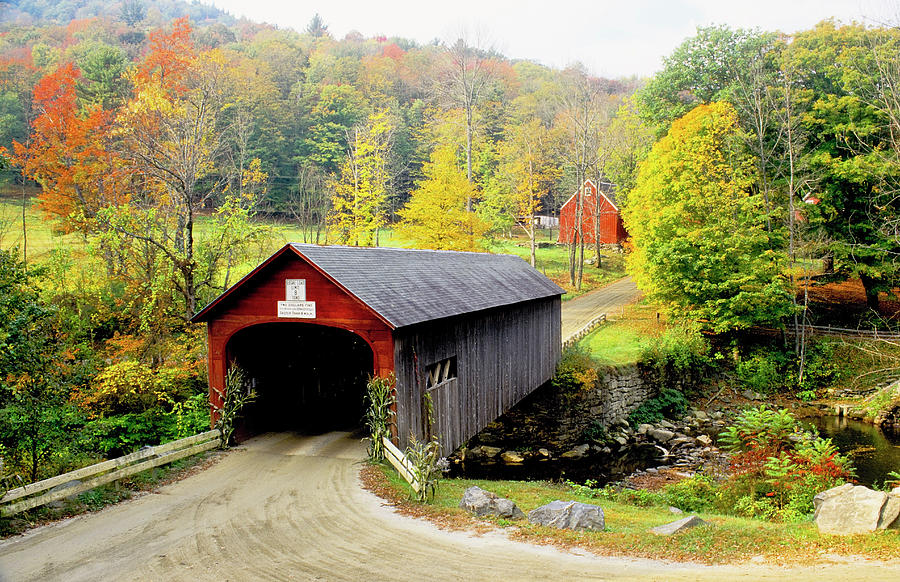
<point x="502" y="355"/>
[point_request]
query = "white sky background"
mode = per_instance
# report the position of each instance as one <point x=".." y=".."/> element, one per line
<point x="613" y="38"/>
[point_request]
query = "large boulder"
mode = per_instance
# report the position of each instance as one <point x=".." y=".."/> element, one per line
<point x="569" y="515"/>
<point x="481" y="503"/>
<point x="674" y="527"/>
<point x="854" y="509"/>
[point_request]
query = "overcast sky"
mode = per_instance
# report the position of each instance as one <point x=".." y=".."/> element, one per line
<point x="613" y="38"/>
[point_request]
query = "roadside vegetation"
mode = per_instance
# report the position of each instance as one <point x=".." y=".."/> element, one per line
<point x="629" y="514"/>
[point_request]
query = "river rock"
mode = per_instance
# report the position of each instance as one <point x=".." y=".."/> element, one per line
<point x="660" y="435"/>
<point x="704" y="440"/>
<point x="677" y="526"/>
<point x="569" y="515"/>
<point x="577" y="452"/>
<point x="544" y="453"/>
<point x="890" y="513"/>
<point x="854" y="509"/>
<point x="482" y="503"/>
<point x="512" y="457"/>
<point x="644" y="428"/>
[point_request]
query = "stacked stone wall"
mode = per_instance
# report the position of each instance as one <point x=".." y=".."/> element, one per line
<point x="554" y="418"/>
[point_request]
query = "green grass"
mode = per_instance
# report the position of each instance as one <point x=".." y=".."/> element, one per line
<point x="622" y="341"/>
<point x="615" y="343"/>
<point x="41" y="236"/>
<point x="727" y="539"/>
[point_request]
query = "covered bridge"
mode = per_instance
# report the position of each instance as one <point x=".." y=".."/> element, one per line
<point x="600" y="216"/>
<point x="476" y="332"/>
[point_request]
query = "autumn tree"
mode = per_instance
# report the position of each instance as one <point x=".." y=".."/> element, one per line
<point x="530" y="172"/>
<point x="701" y="247"/>
<point x="171" y="139"/>
<point x="584" y="112"/>
<point x="358" y="205"/>
<point x="68" y="153"/>
<point x="435" y="216"/>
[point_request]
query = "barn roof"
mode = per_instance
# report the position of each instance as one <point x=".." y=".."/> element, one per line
<point x="409" y="286"/>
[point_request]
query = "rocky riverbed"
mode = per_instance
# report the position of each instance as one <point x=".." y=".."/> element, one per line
<point x="618" y="452"/>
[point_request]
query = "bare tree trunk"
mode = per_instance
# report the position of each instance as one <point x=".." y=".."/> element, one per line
<point x="24" y="227"/>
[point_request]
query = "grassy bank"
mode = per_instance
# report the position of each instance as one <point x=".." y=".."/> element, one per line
<point x="622" y="341"/>
<point x="726" y="539"/>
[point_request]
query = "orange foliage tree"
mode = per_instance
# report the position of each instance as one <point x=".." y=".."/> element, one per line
<point x="68" y="153"/>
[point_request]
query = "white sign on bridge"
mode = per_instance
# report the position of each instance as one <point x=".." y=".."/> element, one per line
<point x="297" y="309"/>
<point x="295" y="289"/>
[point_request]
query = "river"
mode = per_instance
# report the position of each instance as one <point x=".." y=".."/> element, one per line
<point x="874" y="453"/>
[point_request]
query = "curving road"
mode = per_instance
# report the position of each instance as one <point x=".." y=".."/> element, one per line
<point x="610" y="300"/>
<point x="285" y="507"/>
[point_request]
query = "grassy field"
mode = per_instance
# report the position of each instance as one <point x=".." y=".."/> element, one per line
<point x="725" y="540"/>
<point x="623" y="340"/>
<point x="43" y="239"/>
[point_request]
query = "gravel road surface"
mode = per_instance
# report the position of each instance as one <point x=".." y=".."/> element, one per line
<point x="288" y="507"/>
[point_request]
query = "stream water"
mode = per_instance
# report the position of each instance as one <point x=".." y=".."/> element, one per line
<point x="874" y="452"/>
<point x="598" y="467"/>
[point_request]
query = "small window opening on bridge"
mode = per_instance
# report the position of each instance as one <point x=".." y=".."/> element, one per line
<point x="440" y="372"/>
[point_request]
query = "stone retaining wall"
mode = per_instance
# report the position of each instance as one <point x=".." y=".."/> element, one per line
<point x="549" y="417"/>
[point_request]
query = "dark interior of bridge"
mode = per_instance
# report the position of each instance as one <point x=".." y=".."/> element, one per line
<point x="308" y="378"/>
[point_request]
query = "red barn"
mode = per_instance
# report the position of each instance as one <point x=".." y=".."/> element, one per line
<point x="611" y="228"/>
<point x="467" y="335"/>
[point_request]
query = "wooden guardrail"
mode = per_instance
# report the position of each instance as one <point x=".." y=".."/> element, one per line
<point x="585" y="329"/>
<point x="26" y="497"/>
<point x="396" y="458"/>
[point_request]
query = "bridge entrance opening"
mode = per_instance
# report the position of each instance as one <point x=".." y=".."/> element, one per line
<point x="308" y="378"/>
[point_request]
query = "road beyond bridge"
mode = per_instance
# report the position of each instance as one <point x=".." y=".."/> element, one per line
<point x="610" y="300"/>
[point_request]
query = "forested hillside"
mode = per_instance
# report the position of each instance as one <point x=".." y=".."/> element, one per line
<point x="158" y="140"/>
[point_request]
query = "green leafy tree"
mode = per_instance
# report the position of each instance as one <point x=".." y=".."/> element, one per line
<point x="435" y="216"/>
<point x="700" y="243"/>
<point x="33" y="396"/>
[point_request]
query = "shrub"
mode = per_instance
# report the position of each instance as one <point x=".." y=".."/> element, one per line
<point x="697" y="493"/>
<point x="680" y="352"/>
<point x="576" y="371"/>
<point x="763" y="371"/>
<point x="777" y="469"/>
<point x="668" y="404"/>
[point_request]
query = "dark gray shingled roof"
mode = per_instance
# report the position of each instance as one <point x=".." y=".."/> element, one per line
<point x="408" y="286"/>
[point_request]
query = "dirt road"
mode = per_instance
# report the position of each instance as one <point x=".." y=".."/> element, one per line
<point x="610" y="300"/>
<point x="284" y="507"/>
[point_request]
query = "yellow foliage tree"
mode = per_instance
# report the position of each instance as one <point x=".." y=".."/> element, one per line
<point x="358" y="202"/>
<point x="435" y="216"/>
<point x="529" y="168"/>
